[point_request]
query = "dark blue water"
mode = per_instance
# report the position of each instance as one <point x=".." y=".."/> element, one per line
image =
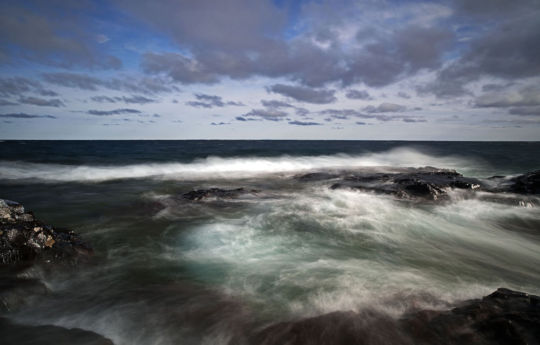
<point x="510" y="155"/>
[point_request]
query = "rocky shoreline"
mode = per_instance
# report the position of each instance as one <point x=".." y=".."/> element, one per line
<point x="503" y="317"/>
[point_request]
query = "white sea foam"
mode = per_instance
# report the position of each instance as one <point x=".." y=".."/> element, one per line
<point x="229" y="168"/>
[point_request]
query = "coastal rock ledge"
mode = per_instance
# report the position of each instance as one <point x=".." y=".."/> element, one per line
<point x="24" y="239"/>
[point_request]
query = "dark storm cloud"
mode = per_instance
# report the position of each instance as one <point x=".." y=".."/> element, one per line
<point x="304" y="94"/>
<point x="26" y="116"/>
<point x="210" y="101"/>
<point x="385" y="108"/>
<point x="303" y="123"/>
<point x="51" y="33"/>
<point x="41" y="102"/>
<point x="148" y="85"/>
<point x="358" y="94"/>
<point x="113" y="112"/>
<point x="128" y="100"/>
<point x="266" y="114"/>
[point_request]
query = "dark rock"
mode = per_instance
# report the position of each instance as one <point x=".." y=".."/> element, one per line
<point x="504" y="317"/>
<point x="17" y="334"/>
<point x="316" y="176"/>
<point x="528" y="183"/>
<point x="426" y="183"/>
<point x="25" y="239"/>
<point x="201" y="194"/>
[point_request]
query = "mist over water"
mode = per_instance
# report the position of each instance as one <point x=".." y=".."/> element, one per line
<point x="168" y="270"/>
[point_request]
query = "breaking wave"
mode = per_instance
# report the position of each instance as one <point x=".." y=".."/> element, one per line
<point x="232" y="168"/>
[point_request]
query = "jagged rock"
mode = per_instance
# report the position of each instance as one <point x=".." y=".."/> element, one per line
<point x="25" y="239"/>
<point x="504" y="317"/>
<point x="201" y="194"/>
<point x="427" y="183"/>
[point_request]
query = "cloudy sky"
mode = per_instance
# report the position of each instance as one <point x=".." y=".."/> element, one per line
<point x="270" y="69"/>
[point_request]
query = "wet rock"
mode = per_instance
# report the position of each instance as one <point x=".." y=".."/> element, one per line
<point x="201" y="194"/>
<point x="426" y="183"/>
<point x="504" y="317"/>
<point x="17" y="334"/>
<point x="528" y="183"/>
<point x="25" y="239"/>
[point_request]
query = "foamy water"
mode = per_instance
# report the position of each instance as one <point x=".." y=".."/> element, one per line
<point x="172" y="271"/>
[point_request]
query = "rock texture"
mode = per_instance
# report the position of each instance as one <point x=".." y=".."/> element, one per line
<point x="214" y="193"/>
<point x="505" y="317"/>
<point x="423" y="184"/>
<point x="25" y="239"/>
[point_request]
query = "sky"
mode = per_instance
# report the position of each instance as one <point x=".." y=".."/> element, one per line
<point x="270" y="69"/>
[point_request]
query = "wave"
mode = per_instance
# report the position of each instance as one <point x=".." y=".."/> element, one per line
<point x="231" y="167"/>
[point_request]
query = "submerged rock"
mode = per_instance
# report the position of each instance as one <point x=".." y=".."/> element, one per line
<point x="25" y="239"/>
<point x="504" y="317"/>
<point x="17" y="334"/>
<point x="201" y="194"/>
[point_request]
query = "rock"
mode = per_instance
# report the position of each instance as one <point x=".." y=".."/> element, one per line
<point x="24" y="239"/>
<point x="528" y="183"/>
<point x="504" y="317"/>
<point x="201" y="194"/>
<point x="426" y="184"/>
<point x="17" y="334"/>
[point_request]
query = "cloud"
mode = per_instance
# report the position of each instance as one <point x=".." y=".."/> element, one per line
<point x="41" y="102"/>
<point x="5" y="102"/>
<point x="266" y="114"/>
<point x="16" y="86"/>
<point x="525" y="111"/>
<point x="345" y="114"/>
<point x="276" y="104"/>
<point x="509" y="49"/>
<point x="304" y="94"/>
<point x="50" y="33"/>
<point x="113" y="112"/>
<point x="127" y="100"/>
<point x="360" y="123"/>
<point x="302" y="123"/>
<point x="526" y="96"/>
<point x="357" y="94"/>
<point x="210" y="101"/>
<point x="403" y="95"/>
<point x="385" y="108"/>
<point x="220" y="123"/>
<point x="26" y="116"/>
<point x="147" y="85"/>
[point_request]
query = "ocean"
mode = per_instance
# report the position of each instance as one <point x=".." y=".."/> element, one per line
<point x="169" y="270"/>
